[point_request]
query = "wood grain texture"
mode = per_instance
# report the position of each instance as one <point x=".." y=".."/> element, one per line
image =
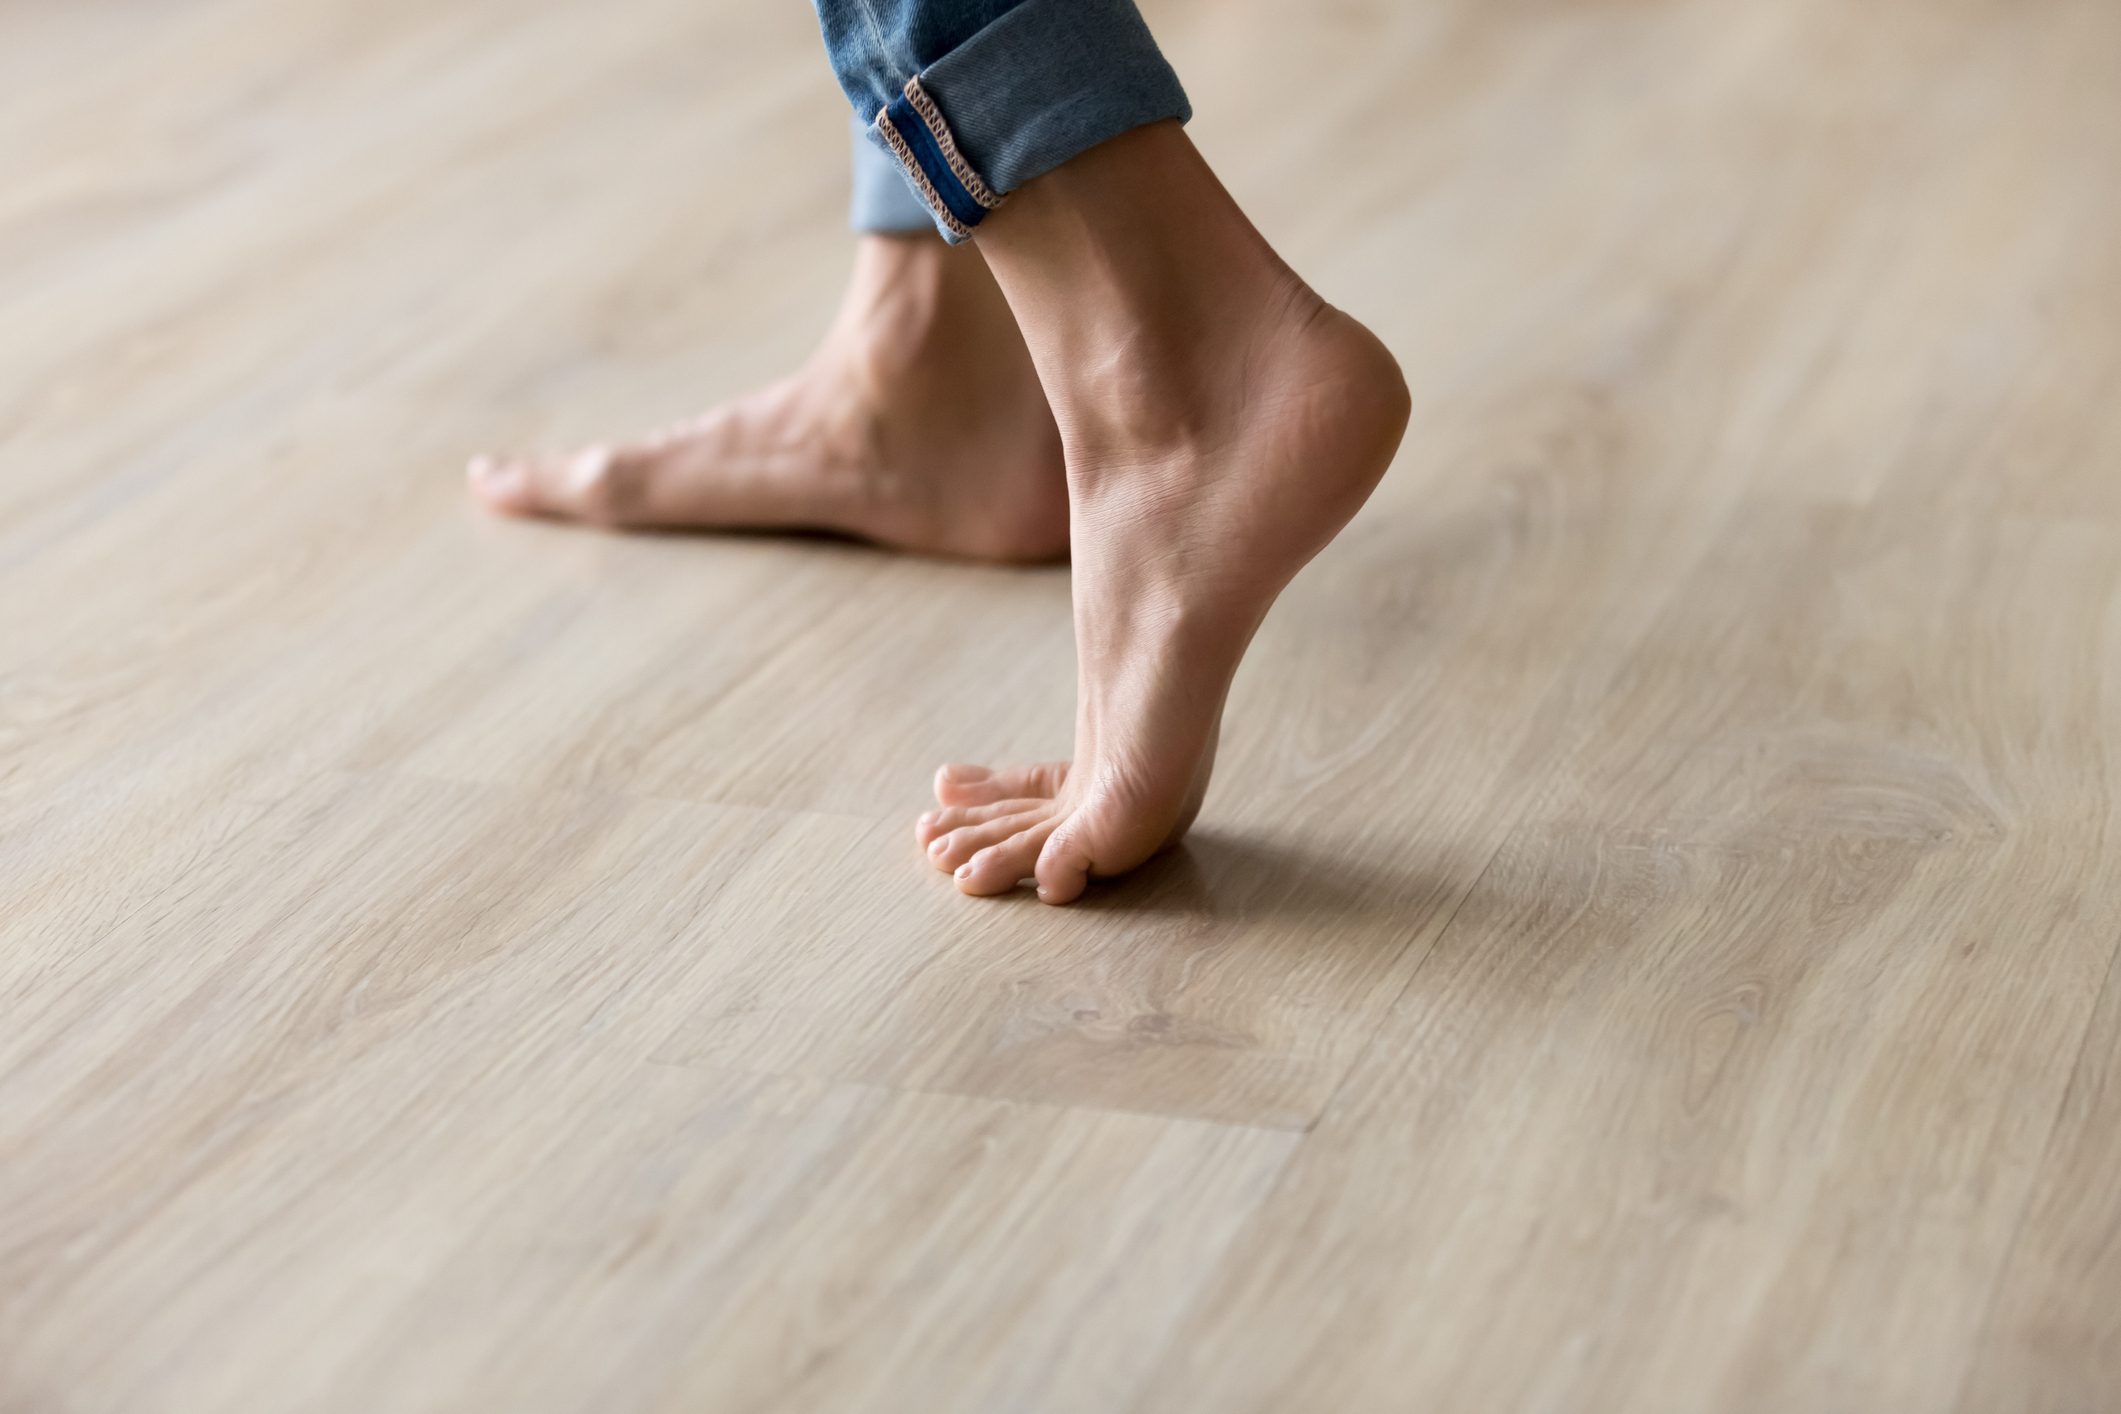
<point x="2052" y="1340"/>
<point x="1738" y="1066"/>
<point x="1652" y="944"/>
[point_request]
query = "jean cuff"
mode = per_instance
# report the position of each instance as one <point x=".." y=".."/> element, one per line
<point x="1047" y="80"/>
<point x="880" y="202"/>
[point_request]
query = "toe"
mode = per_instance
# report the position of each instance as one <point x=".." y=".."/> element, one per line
<point x="955" y="817"/>
<point x="1001" y="867"/>
<point x="976" y="785"/>
<point x="600" y="485"/>
<point x="951" y="851"/>
<point x="501" y="483"/>
<point x="934" y="823"/>
<point x="596" y="484"/>
<point x="1063" y="869"/>
<point x="958" y="784"/>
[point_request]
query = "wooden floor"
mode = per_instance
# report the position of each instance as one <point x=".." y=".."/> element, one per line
<point x="1650" y="947"/>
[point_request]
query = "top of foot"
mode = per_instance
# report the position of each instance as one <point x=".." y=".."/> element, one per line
<point x="918" y="423"/>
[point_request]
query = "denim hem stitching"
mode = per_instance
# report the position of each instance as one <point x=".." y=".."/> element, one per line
<point x="932" y="116"/>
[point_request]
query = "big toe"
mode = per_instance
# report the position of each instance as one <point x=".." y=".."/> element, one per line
<point x="501" y="483"/>
<point x="1063" y="868"/>
<point x="1101" y="838"/>
<point x="590" y="485"/>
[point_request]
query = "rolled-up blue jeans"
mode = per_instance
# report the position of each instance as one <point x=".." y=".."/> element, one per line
<point x="959" y="102"/>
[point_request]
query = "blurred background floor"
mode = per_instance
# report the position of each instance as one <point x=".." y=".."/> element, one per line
<point x="1650" y="945"/>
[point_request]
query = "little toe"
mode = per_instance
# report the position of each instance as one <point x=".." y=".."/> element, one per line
<point x="1001" y="867"/>
<point x="974" y="785"/>
<point x="959" y="784"/>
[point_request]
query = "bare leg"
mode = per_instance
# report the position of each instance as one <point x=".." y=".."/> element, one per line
<point x="917" y="423"/>
<point x="1221" y="424"/>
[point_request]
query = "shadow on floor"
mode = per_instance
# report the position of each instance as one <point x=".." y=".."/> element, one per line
<point x="1215" y="875"/>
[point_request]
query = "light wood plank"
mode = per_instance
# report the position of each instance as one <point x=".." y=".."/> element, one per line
<point x="361" y="986"/>
<point x="2052" y="1342"/>
<point x="1643" y="949"/>
<point x="1731" y="1079"/>
<point x="861" y="1251"/>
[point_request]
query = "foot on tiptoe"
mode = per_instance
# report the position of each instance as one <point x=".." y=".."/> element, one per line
<point x="1222" y="423"/>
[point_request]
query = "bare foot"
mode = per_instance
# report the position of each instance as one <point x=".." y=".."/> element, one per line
<point x="1222" y="423"/>
<point x="918" y="423"/>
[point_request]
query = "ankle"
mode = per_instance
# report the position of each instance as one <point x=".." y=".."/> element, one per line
<point x="1145" y="293"/>
<point x="910" y="296"/>
<point x="922" y="320"/>
<point x="1175" y="377"/>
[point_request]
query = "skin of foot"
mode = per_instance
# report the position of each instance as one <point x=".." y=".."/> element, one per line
<point x="1221" y="423"/>
<point x="918" y="423"/>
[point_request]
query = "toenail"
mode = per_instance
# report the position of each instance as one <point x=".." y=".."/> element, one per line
<point x="939" y="844"/>
<point x="497" y="477"/>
